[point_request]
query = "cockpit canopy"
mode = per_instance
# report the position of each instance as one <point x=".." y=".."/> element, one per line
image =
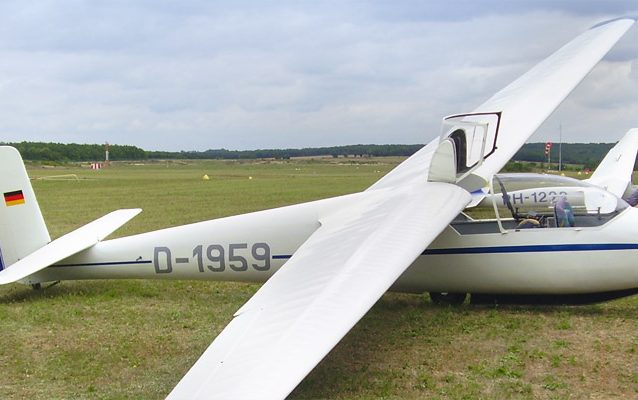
<point x="466" y="141"/>
<point x="518" y="201"/>
<point x="541" y="192"/>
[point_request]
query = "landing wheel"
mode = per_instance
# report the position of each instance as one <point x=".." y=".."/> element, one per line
<point x="447" y="299"/>
<point x="36" y="286"/>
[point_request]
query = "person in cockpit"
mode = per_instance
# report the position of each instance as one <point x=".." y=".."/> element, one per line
<point x="532" y="220"/>
<point x="564" y="213"/>
<point x="633" y="198"/>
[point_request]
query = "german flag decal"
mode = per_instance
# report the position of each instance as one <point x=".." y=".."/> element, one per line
<point x="14" y="198"/>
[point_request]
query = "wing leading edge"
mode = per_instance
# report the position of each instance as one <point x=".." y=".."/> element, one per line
<point x="525" y="103"/>
<point x="332" y="280"/>
<point x="528" y="101"/>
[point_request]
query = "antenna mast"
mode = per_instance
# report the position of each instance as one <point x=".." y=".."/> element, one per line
<point x="560" y="147"/>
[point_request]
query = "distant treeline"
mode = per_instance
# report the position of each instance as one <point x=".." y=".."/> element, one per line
<point x="588" y="154"/>
<point x="37" y="151"/>
<point x="368" y="150"/>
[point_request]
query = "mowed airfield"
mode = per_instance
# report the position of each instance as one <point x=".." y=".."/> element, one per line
<point x="136" y="339"/>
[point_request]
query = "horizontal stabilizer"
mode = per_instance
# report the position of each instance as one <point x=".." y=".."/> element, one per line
<point x="67" y="245"/>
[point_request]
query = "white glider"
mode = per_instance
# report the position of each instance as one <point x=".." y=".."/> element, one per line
<point x="327" y="262"/>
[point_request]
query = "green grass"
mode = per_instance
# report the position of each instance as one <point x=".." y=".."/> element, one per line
<point x="136" y="339"/>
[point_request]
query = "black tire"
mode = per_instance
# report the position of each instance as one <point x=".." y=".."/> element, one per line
<point x="36" y="286"/>
<point x="447" y="299"/>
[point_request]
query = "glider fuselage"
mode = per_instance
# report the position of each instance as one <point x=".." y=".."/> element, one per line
<point x="252" y="247"/>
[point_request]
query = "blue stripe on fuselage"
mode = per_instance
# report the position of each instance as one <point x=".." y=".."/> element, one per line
<point x="542" y="248"/>
<point x="102" y="264"/>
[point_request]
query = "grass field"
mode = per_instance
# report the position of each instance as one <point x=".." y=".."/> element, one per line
<point x="136" y="339"/>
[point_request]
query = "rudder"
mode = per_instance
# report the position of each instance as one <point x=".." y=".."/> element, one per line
<point x="22" y="227"/>
<point x="615" y="171"/>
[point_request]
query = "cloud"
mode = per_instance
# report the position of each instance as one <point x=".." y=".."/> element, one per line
<point x="197" y="75"/>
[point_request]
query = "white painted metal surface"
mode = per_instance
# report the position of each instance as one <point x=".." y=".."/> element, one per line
<point x="615" y="170"/>
<point x="330" y="260"/>
<point x="22" y="228"/>
<point x="574" y="260"/>
<point x="332" y="280"/>
<point x="67" y="245"/>
<point x="529" y="100"/>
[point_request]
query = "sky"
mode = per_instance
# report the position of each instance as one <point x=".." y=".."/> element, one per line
<point x="197" y="75"/>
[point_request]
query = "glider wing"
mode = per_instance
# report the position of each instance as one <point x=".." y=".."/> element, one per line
<point x="515" y="112"/>
<point x="334" y="278"/>
<point x="330" y="282"/>
<point x="528" y="101"/>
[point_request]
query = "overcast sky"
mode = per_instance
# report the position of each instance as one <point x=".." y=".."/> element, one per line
<point x="194" y="75"/>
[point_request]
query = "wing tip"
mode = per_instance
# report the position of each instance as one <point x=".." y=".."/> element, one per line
<point x="632" y="18"/>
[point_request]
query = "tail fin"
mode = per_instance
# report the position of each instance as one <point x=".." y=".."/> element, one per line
<point x="22" y="228"/>
<point x="615" y="170"/>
